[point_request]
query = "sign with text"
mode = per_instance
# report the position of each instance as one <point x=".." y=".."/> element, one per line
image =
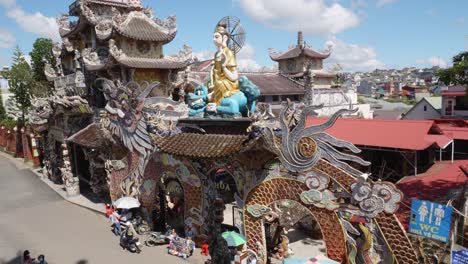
<point x="459" y="255"/>
<point x="430" y="220"/>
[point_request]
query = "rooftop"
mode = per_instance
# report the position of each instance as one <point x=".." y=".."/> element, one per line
<point x="442" y="182"/>
<point x="399" y="134"/>
<point x="270" y="83"/>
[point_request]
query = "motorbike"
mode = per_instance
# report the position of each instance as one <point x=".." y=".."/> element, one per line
<point x="130" y="244"/>
<point x="157" y="238"/>
<point x="140" y="225"/>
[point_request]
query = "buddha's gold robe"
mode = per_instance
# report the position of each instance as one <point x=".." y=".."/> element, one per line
<point x="222" y="86"/>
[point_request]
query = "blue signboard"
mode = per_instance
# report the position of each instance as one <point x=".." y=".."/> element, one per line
<point x="430" y="220"/>
<point x="460" y="256"/>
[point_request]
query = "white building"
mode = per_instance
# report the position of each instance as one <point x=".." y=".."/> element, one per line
<point x="426" y="108"/>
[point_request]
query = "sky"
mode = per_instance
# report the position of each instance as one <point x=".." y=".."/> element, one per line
<point x="364" y="34"/>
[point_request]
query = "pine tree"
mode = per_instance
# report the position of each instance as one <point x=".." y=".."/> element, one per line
<point x="21" y="80"/>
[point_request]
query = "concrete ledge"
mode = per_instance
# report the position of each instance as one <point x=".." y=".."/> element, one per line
<point x="79" y="200"/>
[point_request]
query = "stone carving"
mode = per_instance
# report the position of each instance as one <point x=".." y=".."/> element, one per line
<point x="114" y="50"/>
<point x="71" y="183"/>
<point x="104" y="29"/>
<point x="57" y="52"/>
<point x="93" y="61"/>
<point x="40" y="112"/>
<point x="68" y="45"/>
<point x="64" y="24"/>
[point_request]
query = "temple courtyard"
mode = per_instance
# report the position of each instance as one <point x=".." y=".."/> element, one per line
<point x="34" y="217"/>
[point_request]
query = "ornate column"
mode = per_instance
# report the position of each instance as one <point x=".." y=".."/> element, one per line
<point x="72" y="184"/>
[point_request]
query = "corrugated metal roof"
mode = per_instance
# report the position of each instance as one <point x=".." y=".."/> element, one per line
<point x="400" y="134"/>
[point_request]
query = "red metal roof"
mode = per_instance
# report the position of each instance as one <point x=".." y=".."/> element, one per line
<point x="442" y="182"/>
<point x="453" y="93"/>
<point x="401" y="134"/>
<point x="454" y="128"/>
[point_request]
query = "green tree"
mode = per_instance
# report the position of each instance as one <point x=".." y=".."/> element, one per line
<point x="20" y="79"/>
<point x="40" y="54"/>
<point x="458" y="73"/>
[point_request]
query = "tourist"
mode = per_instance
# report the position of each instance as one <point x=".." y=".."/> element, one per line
<point x="115" y="220"/>
<point x="126" y="215"/>
<point x="205" y="249"/>
<point x="190" y="245"/>
<point x="41" y="259"/>
<point x="27" y="257"/>
<point x="109" y="210"/>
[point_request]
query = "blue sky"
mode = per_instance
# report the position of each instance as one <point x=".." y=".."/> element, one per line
<point x="365" y="34"/>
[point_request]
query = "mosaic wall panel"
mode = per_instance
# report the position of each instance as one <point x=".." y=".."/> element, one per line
<point x="287" y="189"/>
<point x="394" y="234"/>
<point x="169" y="167"/>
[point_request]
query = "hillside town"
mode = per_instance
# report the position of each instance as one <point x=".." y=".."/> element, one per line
<point x="114" y="150"/>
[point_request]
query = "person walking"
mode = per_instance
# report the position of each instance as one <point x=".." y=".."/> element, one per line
<point x="109" y="210"/>
<point x="115" y="220"/>
<point x="41" y="259"/>
<point x="27" y="257"/>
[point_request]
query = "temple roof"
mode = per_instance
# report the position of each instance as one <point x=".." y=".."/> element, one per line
<point x="148" y="63"/>
<point x="90" y="136"/>
<point x="145" y="63"/>
<point x="270" y="83"/>
<point x="139" y="26"/>
<point x="298" y="51"/>
<point x="201" y="145"/>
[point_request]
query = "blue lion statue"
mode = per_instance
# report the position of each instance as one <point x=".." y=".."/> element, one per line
<point x="239" y="104"/>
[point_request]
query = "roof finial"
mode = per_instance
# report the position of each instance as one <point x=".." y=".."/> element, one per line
<point x="300" y="39"/>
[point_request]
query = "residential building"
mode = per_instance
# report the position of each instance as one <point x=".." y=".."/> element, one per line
<point x="427" y="108"/>
<point x="454" y="102"/>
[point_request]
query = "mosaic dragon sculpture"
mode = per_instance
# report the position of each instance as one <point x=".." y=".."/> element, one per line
<point x="126" y="121"/>
<point x="307" y="154"/>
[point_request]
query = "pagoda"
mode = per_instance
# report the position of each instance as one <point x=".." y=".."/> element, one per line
<point x="121" y="40"/>
<point x="294" y="62"/>
<point x="103" y="41"/>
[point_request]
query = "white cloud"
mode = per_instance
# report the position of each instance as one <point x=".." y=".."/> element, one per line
<point x="36" y="23"/>
<point x="353" y="57"/>
<point x="7" y="40"/>
<point x="461" y="21"/>
<point x="8" y="3"/>
<point x="310" y="16"/>
<point x="433" y="61"/>
<point x="246" y="59"/>
<point x="203" y="55"/>
<point x="381" y="3"/>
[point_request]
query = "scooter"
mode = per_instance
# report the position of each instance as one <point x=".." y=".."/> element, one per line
<point x="130" y="244"/>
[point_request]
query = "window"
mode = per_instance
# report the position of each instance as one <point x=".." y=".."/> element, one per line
<point x="425" y="108"/>
<point x="461" y="103"/>
<point x="296" y="97"/>
<point x="275" y="98"/>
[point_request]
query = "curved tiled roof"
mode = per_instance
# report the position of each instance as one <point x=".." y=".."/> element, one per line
<point x="149" y="63"/>
<point x="139" y="26"/>
<point x="270" y="83"/>
<point x="296" y="52"/>
<point x="201" y="145"/>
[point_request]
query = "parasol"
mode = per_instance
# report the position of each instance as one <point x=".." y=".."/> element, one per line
<point x="127" y="203"/>
<point x="233" y="239"/>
